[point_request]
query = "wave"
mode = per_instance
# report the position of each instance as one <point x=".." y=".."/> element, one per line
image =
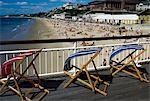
<point x="15" y="29"/>
<point x="22" y="32"/>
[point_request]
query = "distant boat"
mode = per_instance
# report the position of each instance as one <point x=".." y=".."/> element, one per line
<point x="21" y="15"/>
<point x="6" y="16"/>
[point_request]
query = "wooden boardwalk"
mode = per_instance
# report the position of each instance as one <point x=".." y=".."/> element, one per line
<point x="123" y="88"/>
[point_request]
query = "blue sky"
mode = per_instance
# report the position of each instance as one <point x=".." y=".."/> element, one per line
<point x="32" y="6"/>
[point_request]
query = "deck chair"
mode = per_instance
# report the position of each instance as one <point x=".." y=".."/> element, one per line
<point x="92" y="80"/>
<point x="127" y="64"/>
<point x="11" y="78"/>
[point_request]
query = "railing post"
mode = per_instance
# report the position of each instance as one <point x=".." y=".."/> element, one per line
<point x="74" y="60"/>
<point x="137" y="52"/>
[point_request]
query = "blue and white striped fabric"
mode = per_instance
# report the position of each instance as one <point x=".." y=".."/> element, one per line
<point x="67" y="65"/>
<point x="85" y="52"/>
<point x="126" y="47"/>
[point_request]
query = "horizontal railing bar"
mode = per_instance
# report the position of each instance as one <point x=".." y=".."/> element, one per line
<point x="71" y="48"/>
<point x="109" y="45"/>
<point x="148" y="42"/>
<point x="146" y="60"/>
<point x="69" y="40"/>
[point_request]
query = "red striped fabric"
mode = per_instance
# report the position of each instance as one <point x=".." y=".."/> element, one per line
<point x="7" y="65"/>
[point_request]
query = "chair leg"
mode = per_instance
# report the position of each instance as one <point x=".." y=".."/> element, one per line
<point x="4" y="83"/>
<point x="101" y="81"/>
<point x="42" y="96"/>
<point x="132" y="74"/>
<point x="18" y="88"/>
<point x="96" y="89"/>
<point x="137" y="71"/>
<point x="96" y="82"/>
<point x="36" y="73"/>
<point x="4" y="90"/>
<point x="72" y="78"/>
<point x="133" y="58"/>
<point x="135" y="68"/>
<point x="87" y="84"/>
<point x="118" y="70"/>
<point x="89" y="79"/>
<point x="145" y="77"/>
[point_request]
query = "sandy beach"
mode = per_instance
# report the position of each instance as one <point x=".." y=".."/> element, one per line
<point x="46" y="28"/>
<point x="59" y="29"/>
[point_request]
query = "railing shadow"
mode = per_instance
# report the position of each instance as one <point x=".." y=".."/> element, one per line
<point x="103" y="74"/>
<point x="46" y="83"/>
<point x="51" y="85"/>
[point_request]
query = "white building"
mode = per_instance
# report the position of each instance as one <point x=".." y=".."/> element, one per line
<point x="68" y="5"/>
<point x="142" y="6"/>
<point x="74" y="18"/>
<point x="59" y="16"/>
<point x="109" y="18"/>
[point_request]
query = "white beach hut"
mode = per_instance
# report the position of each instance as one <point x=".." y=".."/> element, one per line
<point x="123" y="18"/>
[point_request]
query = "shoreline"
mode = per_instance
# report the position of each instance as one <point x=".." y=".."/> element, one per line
<point x="42" y="30"/>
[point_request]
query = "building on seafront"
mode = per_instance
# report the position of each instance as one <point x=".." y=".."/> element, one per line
<point x="129" y="5"/>
<point x="144" y="17"/>
<point x="113" y="18"/>
<point x="144" y="5"/>
<point x="107" y="11"/>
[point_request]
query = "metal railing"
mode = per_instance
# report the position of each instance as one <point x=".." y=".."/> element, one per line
<point x="51" y="60"/>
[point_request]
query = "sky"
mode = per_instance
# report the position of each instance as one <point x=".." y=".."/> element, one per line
<point x="32" y="6"/>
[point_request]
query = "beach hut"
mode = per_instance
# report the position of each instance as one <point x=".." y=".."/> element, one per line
<point x="123" y="18"/>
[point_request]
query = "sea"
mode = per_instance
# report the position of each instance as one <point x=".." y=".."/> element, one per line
<point x="15" y="28"/>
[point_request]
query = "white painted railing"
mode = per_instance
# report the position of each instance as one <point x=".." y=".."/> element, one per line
<point x="51" y="61"/>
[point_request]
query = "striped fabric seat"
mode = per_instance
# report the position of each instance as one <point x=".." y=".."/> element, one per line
<point x="67" y="65"/>
<point x="126" y="47"/>
<point x="14" y="77"/>
<point x="7" y="65"/>
<point x="127" y="64"/>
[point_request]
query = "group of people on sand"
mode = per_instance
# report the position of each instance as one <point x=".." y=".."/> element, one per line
<point x="70" y="29"/>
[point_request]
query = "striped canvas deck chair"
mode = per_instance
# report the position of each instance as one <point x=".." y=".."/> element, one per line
<point x="11" y="77"/>
<point x="127" y="63"/>
<point x="92" y="81"/>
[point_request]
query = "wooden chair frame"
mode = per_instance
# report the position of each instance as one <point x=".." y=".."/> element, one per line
<point x="90" y="83"/>
<point x="15" y="76"/>
<point x="130" y="65"/>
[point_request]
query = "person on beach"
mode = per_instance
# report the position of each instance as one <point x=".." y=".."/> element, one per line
<point x="87" y="44"/>
<point x="104" y="62"/>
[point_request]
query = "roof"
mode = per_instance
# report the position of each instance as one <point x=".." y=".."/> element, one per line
<point x="95" y="2"/>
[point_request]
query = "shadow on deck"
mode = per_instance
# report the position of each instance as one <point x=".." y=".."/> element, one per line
<point x="123" y="88"/>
